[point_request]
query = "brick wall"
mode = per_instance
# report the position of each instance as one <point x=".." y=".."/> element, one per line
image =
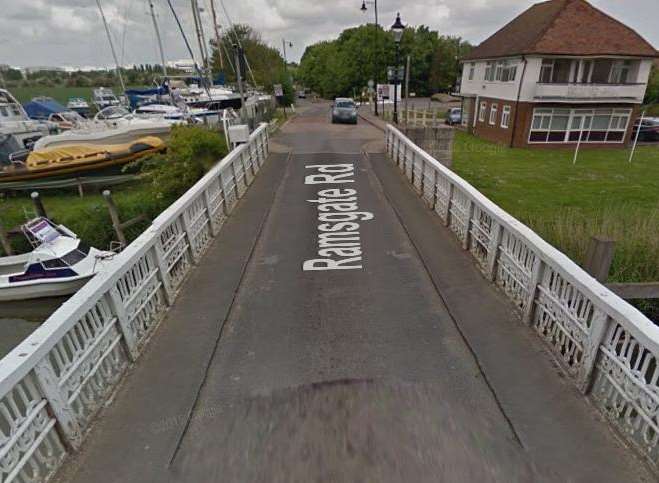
<point x="494" y="132"/>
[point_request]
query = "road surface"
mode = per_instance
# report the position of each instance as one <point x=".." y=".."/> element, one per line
<point x="389" y="358"/>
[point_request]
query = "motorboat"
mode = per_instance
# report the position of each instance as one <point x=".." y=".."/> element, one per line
<point x="79" y="159"/>
<point x="112" y="125"/>
<point x="79" y="105"/>
<point x="18" y="132"/>
<point x="180" y="114"/>
<point x="48" y="109"/>
<point x="103" y="97"/>
<point x="59" y="264"/>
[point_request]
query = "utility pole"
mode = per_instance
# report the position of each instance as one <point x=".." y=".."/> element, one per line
<point x="216" y="28"/>
<point x="375" y="37"/>
<point x="114" y="53"/>
<point x="237" y="54"/>
<point x="155" y="27"/>
<point x="407" y="87"/>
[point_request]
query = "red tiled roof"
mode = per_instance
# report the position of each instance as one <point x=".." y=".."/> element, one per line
<point x="564" y="27"/>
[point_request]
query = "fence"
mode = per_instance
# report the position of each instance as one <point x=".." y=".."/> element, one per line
<point x="55" y="381"/>
<point x="416" y="117"/>
<point x="608" y="348"/>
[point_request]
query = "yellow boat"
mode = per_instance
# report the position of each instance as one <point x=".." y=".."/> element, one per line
<point x="80" y="159"/>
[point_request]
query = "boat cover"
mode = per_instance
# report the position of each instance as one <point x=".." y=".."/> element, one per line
<point x="42" y="107"/>
<point x="137" y="97"/>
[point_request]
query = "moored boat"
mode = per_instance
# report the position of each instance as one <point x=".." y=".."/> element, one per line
<point x="75" y="160"/>
<point x="59" y="264"/>
<point x="79" y="105"/>
<point x="112" y="125"/>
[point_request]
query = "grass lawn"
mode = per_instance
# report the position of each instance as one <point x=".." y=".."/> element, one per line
<point x="87" y="217"/>
<point x="566" y="204"/>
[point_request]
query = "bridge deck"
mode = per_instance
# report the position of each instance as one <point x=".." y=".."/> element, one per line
<point x="240" y="355"/>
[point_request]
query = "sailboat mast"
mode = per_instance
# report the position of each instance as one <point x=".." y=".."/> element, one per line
<point x="200" y="38"/>
<point x="155" y="27"/>
<point x="216" y="28"/>
<point x="114" y="53"/>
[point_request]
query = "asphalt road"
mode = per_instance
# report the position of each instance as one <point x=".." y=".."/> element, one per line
<point x="405" y="365"/>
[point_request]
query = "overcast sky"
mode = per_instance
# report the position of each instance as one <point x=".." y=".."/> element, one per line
<point x="70" y="32"/>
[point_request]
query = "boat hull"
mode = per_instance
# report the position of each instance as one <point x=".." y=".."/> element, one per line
<point x="45" y="289"/>
<point x="108" y="137"/>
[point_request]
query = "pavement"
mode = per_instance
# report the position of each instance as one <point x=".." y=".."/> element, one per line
<point x="403" y="365"/>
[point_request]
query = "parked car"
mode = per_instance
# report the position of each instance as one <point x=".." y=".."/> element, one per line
<point x="649" y="130"/>
<point x="344" y="110"/>
<point x="302" y="95"/>
<point x="454" y="116"/>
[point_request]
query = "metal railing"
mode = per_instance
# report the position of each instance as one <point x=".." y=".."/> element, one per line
<point x="55" y="381"/>
<point x="607" y="347"/>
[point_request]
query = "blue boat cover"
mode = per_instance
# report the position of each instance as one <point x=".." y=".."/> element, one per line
<point x="138" y="97"/>
<point x="42" y="107"/>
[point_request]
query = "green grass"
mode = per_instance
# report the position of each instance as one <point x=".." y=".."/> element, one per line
<point x="60" y="94"/>
<point x="88" y="216"/>
<point x="566" y="204"/>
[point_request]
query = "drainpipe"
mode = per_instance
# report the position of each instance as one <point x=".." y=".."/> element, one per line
<point x="519" y="95"/>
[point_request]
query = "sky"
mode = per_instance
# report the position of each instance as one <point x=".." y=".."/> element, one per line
<point x="69" y="33"/>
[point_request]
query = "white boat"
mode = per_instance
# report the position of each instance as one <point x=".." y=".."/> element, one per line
<point x="18" y="132"/>
<point x="60" y="264"/>
<point x="79" y="105"/>
<point x="112" y="125"/>
<point x="103" y="97"/>
<point x="181" y="114"/>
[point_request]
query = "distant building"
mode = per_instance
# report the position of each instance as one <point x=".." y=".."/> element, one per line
<point x="561" y="71"/>
<point x="186" y="65"/>
<point x="37" y="69"/>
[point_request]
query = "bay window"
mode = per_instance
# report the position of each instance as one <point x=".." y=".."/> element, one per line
<point x="554" y="125"/>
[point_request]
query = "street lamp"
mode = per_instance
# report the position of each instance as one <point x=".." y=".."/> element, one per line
<point x="364" y="9"/>
<point x="397" y="29"/>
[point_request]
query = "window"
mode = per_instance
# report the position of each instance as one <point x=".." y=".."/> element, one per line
<point x="493" y="114"/>
<point x="472" y="68"/>
<point x="546" y="71"/>
<point x="570" y="125"/>
<point x="481" y="112"/>
<point x="620" y="71"/>
<point x="499" y="71"/>
<point x="505" y="117"/>
<point x="489" y="71"/>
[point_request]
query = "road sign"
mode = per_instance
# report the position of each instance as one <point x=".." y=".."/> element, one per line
<point x="371" y="84"/>
<point x="395" y="76"/>
<point x="279" y="90"/>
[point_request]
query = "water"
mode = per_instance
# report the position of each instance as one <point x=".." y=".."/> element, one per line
<point x="20" y="319"/>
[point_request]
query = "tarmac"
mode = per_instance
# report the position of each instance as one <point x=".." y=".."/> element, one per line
<point x="411" y="367"/>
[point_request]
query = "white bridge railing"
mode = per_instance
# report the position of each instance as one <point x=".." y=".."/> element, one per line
<point x="54" y="382"/>
<point x="609" y="349"/>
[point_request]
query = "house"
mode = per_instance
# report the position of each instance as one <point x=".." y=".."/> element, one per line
<point x="560" y="72"/>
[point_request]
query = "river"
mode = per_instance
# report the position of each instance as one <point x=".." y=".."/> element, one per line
<point x="20" y="319"/>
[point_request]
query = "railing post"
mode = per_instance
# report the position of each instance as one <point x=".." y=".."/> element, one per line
<point x="190" y="236"/>
<point x="434" y="188"/>
<point x="493" y="251"/>
<point x="163" y="273"/>
<point x="211" y="221"/>
<point x="470" y="214"/>
<point x="67" y="419"/>
<point x="598" y="328"/>
<point x="449" y="201"/>
<point x="534" y="280"/>
<point x="129" y="338"/>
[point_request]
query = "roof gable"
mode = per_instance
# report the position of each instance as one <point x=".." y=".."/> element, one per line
<point x="564" y="27"/>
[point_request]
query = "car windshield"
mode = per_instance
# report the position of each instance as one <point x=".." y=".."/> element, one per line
<point x="345" y="105"/>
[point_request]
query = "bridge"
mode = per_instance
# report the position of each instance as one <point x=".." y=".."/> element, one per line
<point x="332" y="304"/>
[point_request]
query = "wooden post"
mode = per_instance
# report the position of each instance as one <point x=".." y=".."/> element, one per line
<point x="4" y="241"/>
<point x="114" y="216"/>
<point x="38" y="204"/>
<point x="599" y="257"/>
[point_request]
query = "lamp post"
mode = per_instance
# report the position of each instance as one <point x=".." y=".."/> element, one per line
<point x="364" y="9"/>
<point x="397" y="29"/>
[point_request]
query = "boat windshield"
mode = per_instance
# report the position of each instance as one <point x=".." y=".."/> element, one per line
<point x="112" y="112"/>
<point x="68" y="260"/>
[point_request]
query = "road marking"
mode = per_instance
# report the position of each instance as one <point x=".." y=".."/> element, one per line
<point x="339" y="240"/>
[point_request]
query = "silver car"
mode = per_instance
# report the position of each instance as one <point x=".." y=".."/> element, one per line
<point x="344" y="110"/>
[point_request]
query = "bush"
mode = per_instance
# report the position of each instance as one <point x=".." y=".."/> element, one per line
<point x="191" y="152"/>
